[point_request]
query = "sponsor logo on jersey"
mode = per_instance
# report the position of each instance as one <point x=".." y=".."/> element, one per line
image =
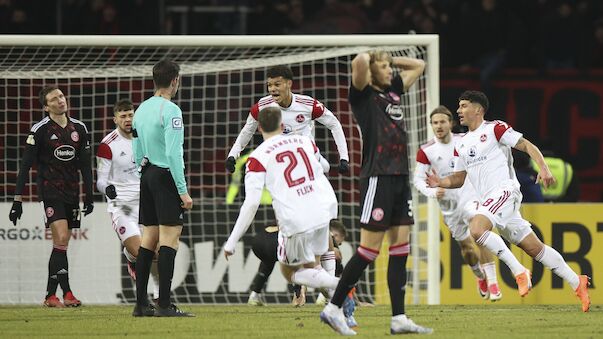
<point x="395" y="111"/>
<point x="287" y="129"/>
<point x="49" y="212"/>
<point x="53" y="137"/>
<point x="451" y="164"/>
<point x="300" y="118"/>
<point x="483" y="138"/>
<point x="64" y="152"/>
<point x="177" y="123"/>
<point x="472" y="151"/>
<point x="122" y="154"/>
<point x="75" y="136"/>
<point x="31" y="140"/>
<point x="377" y="214"/>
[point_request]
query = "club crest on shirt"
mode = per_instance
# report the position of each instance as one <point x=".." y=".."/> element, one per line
<point x="31" y="140"/>
<point x="377" y="214"/>
<point x="49" y="212"/>
<point x="472" y="151"/>
<point x="75" y="136"/>
<point x="483" y="138"/>
<point x="122" y="229"/>
<point x="300" y="118"/>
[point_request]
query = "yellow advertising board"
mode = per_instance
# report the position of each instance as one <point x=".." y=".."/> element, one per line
<point x="575" y="230"/>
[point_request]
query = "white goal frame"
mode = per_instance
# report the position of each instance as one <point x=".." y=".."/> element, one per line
<point x="429" y="42"/>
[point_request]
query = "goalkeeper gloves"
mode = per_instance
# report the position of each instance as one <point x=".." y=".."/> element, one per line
<point x="230" y="164"/>
<point x="15" y="212"/>
<point x="110" y="192"/>
<point x="88" y="207"/>
<point x="344" y="166"/>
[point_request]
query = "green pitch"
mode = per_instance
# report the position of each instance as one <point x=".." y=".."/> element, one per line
<point x="245" y="322"/>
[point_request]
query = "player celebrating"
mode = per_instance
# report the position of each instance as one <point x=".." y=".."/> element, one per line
<point x="298" y="114"/>
<point x="384" y="183"/>
<point x="484" y="156"/>
<point x="60" y="146"/>
<point x="457" y="205"/>
<point x="119" y="180"/>
<point x="288" y="167"/>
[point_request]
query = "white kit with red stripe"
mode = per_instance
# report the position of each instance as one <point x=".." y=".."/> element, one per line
<point x="116" y="167"/>
<point x="302" y="196"/>
<point x="485" y="154"/>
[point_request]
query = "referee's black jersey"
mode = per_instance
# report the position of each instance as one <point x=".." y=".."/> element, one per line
<point x="382" y="123"/>
<point x="59" y="153"/>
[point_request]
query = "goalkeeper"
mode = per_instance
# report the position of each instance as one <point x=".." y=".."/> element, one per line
<point x="298" y="114"/>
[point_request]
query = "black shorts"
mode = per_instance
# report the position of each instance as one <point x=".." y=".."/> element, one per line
<point x="57" y="210"/>
<point x="264" y="246"/>
<point x="160" y="203"/>
<point x="385" y="201"/>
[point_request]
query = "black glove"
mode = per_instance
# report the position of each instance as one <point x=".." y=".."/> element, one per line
<point x="344" y="166"/>
<point x="230" y="164"/>
<point x="15" y="212"/>
<point x="88" y="207"/>
<point x="110" y="192"/>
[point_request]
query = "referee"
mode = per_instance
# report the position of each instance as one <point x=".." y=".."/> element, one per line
<point x="158" y="151"/>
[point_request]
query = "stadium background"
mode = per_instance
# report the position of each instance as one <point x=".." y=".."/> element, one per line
<point x="552" y="95"/>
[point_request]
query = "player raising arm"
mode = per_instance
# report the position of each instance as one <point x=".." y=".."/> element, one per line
<point x="60" y="146"/>
<point x="484" y="157"/>
<point x="303" y="199"/>
<point x="457" y="205"/>
<point x="298" y="113"/>
<point x="375" y="99"/>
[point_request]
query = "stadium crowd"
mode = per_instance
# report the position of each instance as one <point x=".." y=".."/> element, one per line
<point x="546" y="34"/>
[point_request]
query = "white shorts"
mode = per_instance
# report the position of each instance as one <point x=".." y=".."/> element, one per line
<point x="458" y="221"/>
<point x="124" y="218"/>
<point x="501" y="206"/>
<point x="302" y="248"/>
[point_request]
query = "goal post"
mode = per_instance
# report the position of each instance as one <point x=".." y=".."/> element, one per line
<point x="221" y="77"/>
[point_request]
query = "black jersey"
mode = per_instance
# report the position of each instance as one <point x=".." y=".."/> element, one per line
<point x="381" y="120"/>
<point x="59" y="153"/>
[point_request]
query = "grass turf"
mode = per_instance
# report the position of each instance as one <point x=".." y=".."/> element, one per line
<point x="242" y="321"/>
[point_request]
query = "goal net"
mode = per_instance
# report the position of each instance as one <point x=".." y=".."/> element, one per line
<point x="221" y="78"/>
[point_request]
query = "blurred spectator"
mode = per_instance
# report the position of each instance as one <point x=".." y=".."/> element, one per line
<point x="567" y="188"/>
<point x="559" y="37"/>
<point x="526" y="175"/>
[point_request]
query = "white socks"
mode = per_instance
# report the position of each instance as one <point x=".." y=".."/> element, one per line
<point x="315" y="277"/>
<point x="477" y="271"/>
<point x="327" y="261"/>
<point x="490" y="271"/>
<point x="494" y="243"/>
<point x="550" y="258"/>
<point x="155" y="278"/>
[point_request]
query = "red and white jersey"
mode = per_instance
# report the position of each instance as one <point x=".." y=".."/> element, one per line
<point x="440" y="157"/>
<point x="116" y="166"/>
<point x="485" y="154"/>
<point x="298" y="119"/>
<point x="302" y="196"/>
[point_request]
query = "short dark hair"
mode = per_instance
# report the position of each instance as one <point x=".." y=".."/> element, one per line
<point x="441" y="110"/>
<point x="164" y="72"/>
<point x="123" y="105"/>
<point x="280" y="71"/>
<point x="44" y="92"/>
<point x="337" y="225"/>
<point x="476" y="97"/>
<point x="269" y="119"/>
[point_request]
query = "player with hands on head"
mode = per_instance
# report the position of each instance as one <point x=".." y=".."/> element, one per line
<point x="485" y="158"/>
<point x="375" y="98"/>
<point x="116" y="172"/>
<point x="60" y="146"/>
<point x="298" y="113"/>
<point x="457" y="205"/>
<point x="288" y="167"/>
